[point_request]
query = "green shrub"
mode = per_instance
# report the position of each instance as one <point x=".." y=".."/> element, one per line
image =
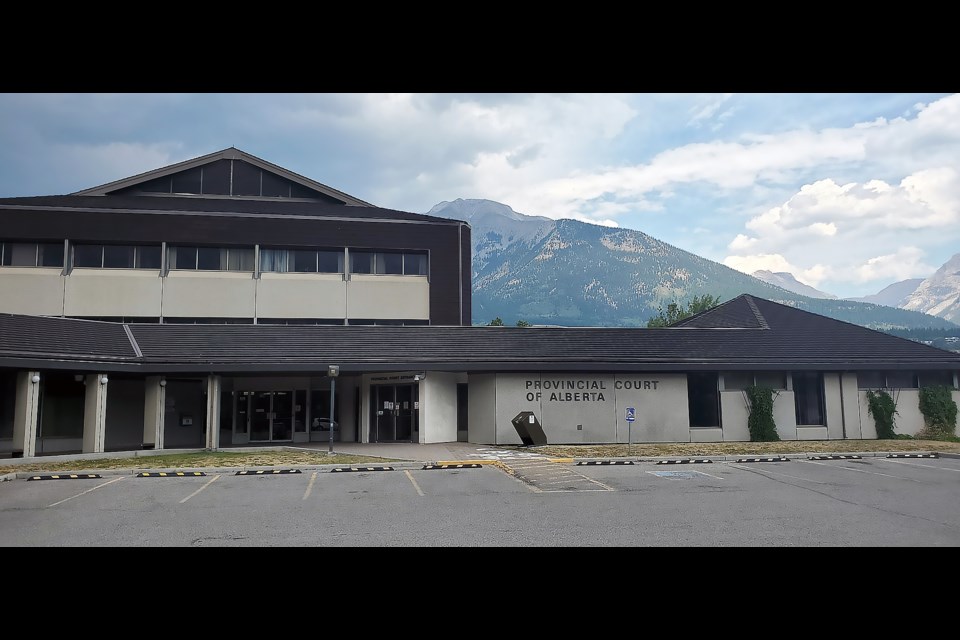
<point x="762" y="426"/>
<point x="882" y="407"/>
<point x="939" y="410"/>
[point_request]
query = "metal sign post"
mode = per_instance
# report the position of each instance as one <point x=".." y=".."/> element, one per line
<point x="630" y="417"/>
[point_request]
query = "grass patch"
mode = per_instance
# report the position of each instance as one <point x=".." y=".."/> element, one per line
<point x="226" y="459"/>
<point x="686" y="449"/>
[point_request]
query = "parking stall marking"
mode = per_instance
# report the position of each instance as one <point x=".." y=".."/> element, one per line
<point x="87" y="491"/>
<point x="918" y="464"/>
<point x="313" y="478"/>
<point x="205" y="485"/>
<point x="415" y="485"/>
<point x="875" y="473"/>
<point x="766" y="471"/>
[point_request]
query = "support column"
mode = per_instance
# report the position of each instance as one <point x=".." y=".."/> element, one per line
<point x="213" y="412"/>
<point x="95" y="413"/>
<point x="26" y="414"/>
<point x="154" y="408"/>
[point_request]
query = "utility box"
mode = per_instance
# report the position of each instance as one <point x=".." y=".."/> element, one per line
<point x="529" y="429"/>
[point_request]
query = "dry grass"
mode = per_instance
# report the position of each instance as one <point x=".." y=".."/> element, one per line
<point x="739" y="448"/>
<point x="199" y="460"/>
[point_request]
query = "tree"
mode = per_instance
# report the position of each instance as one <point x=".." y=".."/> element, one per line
<point x="676" y="312"/>
<point x="496" y="322"/>
<point x="523" y="323"/>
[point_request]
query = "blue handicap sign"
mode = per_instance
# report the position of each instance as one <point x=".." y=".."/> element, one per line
<point x="631" y="414"/>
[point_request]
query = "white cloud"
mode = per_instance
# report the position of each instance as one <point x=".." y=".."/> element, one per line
<point x="776" y="262"/>
<point x="906" y="262"/>
<point x="705" y="112"/>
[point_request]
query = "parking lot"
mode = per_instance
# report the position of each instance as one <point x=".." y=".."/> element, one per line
<point x="873" y="501"/>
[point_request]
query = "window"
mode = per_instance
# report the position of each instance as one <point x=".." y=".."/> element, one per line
<point x="31" y="254"/>
<point x="936" y="378"/>
<point x="901" y="379"/>
<point x="388" y="263"/>
<point x="737" y="380"/>
<point x="116" y="256"/>
<point x="871" y="380"/>
<point x="703" y="399"/>
<point x="808" y="396"/>
<point x="301" y="261"/>
<point x="211" y="258"/>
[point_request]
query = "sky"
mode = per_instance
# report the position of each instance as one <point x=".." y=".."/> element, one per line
<point x="849" y="192"/>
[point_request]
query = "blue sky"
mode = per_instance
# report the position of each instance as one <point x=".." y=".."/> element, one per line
<point x="849" y="192"/>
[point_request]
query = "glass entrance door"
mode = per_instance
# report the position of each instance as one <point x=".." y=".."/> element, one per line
<point x="393" y="412"/>
<point x="267" y="416"/>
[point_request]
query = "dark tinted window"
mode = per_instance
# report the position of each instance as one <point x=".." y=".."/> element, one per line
<point x="183" y="257"/>
<point x="275" y="186"/>
<point x="361" y="262"/>
<point x="330" y="262"/>
<point x="936" y="378"/>
<point x="208" y="258"/>
<point x="148" y="257"/>
<point x="216" y="178"/>
<point x="187" y="181"/>
<point x="88" y="255"/>
<point x="246" y="179"/>
<point x="415" y="264"/>
<point x="50" y="255"/>
<point x="902" y="379"/>
<point x="116" y="257"/>
<point x="808" y="395"/>
<point x="390" y="263"/>
<point x="304" y="261"/>
<point x="300" y="191"/>
<point x="871" y="380"/>
<point x="159" y="185"/>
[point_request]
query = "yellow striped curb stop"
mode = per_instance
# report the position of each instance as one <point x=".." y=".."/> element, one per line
<point x="66" y="476"/>
<point x="170" y="474"/>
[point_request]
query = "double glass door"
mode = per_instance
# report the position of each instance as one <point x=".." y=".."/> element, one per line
<point x="266" y="416"/>
<point x="393" y="412"/>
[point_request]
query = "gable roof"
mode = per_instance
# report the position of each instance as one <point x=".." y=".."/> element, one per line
<point x="792" y="340"/>
<point x="231" y="153"/>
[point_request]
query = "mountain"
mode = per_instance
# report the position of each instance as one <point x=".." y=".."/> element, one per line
<point x="939" y="294"/>
<point x="785" y="280"/>
<point x="894" y="295"/>
<point x="566" y="272"/>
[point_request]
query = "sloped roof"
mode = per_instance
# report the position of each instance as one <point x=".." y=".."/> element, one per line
<point x="792" y="340"/>
<point x="231" y="153"/>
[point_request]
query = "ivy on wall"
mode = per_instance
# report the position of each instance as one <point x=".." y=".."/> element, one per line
<point x="882" y="407"/>
<point x="762" y="426"/>
<point x="939" y="410"/>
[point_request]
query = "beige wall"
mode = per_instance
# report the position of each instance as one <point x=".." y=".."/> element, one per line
<point x="382" y="296"/>
<point x="661" y="409"/>
<point x="908" y="418"/>
<point x="812" y="433"/>
<point x="706" y="435"/>
<point x="438" y="407"/>
<point x="851" y="405"/>
<point x="831" y="402"/>
<point x="190" y="294"/>
<point x="301" y="295"/>
<point x="735" y="410"/>
<point x="112" y="292"/>
<point x="31" y="291"/>
<point x="482" y="408"/>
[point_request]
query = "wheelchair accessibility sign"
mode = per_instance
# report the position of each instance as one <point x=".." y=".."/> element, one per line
<point x="631" y="414"/>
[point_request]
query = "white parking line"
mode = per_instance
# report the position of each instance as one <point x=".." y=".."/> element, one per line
<point x="917" y="464"/>
<point x="87" y="491"/>
<point x="306" y="494"/>
<point x="206" y="484"/>
<point x="873" y="473"/>
<point x="775" y="473"/>
<point x="415" y="485"/>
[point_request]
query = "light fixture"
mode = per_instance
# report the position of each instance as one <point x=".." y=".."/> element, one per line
<point x="103" y="379"/>
<point x="163" y="383"/>
<point x="35" y="378"/>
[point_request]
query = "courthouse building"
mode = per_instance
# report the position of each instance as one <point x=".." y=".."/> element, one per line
<point x="202" y="305"/>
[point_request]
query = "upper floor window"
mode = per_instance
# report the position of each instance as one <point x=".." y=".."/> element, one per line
<point x="734" y="380"/>
<point x="210" y="258"/>
<point x="381" y="262"/>
<point x="31" y="254"/>
<point x="301" y="261"/>
<point x="105" y="256"/>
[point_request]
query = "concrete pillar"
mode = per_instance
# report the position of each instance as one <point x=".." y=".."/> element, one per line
<point x="26" y="414"/>
<point x="213" y="412"/>
<point x="154" y="407"/>
<point x="95" y="413"/>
